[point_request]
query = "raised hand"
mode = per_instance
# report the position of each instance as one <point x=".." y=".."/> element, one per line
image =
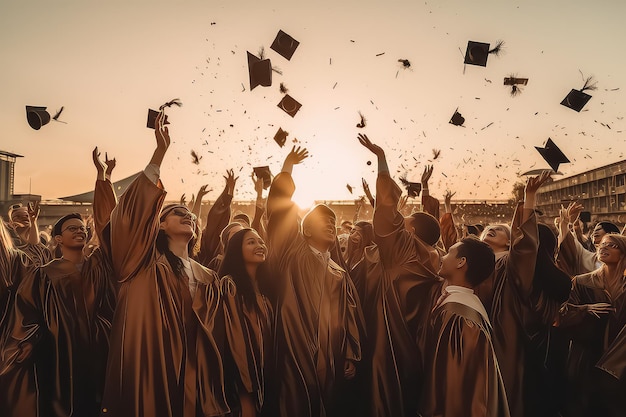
<point x="368" y="193"/>
<point x="33" y="211"/>
<point x="183" y="200"/>
<point x="97" y="162"/>
<point x="161" y="132"/>
<point x="375" y="149"/>
<point x="202" y="192"/>
<point x="428" y="171"/>
<point x="230" y="181"/>
<point x="532" y="185"/>
<point x="110" y="163"/>
<point x="448" y="200"/>
<point x="258" y="183"/>
<point x="294" y="157"/>
<point x="573" y="211"/>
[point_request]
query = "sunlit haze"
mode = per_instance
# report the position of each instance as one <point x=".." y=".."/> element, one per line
<point x="108" y="62"/>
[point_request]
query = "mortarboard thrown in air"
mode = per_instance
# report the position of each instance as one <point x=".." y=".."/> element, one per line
<point x="514" y="83"/>
<point x="285" y="45"/>
<point x="289" y="105"/>
<point x="552" y="155"/>
<point x="260" y="71"/>
<point x="37" y="116"/>
<point x="281" y="137"/>
<point x="457" y="119"/>
<point x="413" y="189"/>
<point x="478" y="52"/>
<point x="576" y="99"/>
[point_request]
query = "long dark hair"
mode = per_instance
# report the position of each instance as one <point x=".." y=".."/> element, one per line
<point x="162" y="245"/>
<point x="234" y="266"/>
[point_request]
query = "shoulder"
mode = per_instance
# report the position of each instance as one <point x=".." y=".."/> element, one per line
<point x="590" y="279"/>
<point x="203" y="274"/>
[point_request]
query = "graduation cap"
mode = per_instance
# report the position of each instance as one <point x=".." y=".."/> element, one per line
<point x="289" y="105"/>
<point x="349" y="187"/>
<point x="281" y="137"/>
<point x="285" y="45"/>
<point x="265" y="174"/>
<point x="260" y="71"/>
<point x="478" y="52"/>
<point x="552" y="154"/>
<point x="413" y="189"/>
<point x="457" y="119"/>
<point x="514" y="82"/>
<point x="152" y="115"/>
<point x="576" y="99"/>
<point x="37" y="116"/>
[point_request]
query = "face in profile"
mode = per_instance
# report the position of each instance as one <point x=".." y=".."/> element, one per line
<point x="179" y="222"/>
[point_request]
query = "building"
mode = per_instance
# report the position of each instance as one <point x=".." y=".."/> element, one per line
<point x="602" y="191"/>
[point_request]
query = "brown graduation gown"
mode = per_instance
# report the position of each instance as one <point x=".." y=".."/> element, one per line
<point x="316" y="313"/>
<point x="248" y="336"/>
<point x="505" y="296"/>
<point x="462" y="373"/>
<point x="401" y="287"/>
<point x="216" y="220"/>
<point x="164" y="358"/>
<point x="63" y="316"/>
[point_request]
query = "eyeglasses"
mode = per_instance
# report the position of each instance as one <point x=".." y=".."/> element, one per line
<point x="184" y="213"/>
<point x="609" y="245"/>
<point x="74" y="229"/>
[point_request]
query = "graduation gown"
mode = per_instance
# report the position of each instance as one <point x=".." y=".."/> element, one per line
<point x="60" y="329"/>
<point x="506" y="297"/>
<point x="401" y="288"/>
<point x="164" y="358"/>
<point x="216" y="220"/>
<point x="316" y="313"/>
<point x="13" y="381"/>
<point x="249" y="341"/>
<point x="594" y="342"/>
<point x="462" y="373"/>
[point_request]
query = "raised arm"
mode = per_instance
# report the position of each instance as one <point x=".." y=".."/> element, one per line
<point x="33" y="214"/>
<point x="368" y="193"/>
<point x="571" y="255"/>
<point x="395" y="243"/>
<point x="104" y="199"/>
<point x="196" y="207"/>
<point x="448" y="230"/>
<point x="135" y="220"/>
<point x="258" y="222"/>
<point x="282" y="212"/>
<point x="429" y="203"/>
<point x="216" y="220"/>
<point x="524" y="238"/>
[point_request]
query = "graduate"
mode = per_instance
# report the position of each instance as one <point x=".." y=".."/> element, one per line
<point x="63" y="310"/>
<point x="168" y="328"/>
<point x="506" y="294"/>
<point x="248" y="321"/>
<point x="23" y="226"/>
<point x="317" y="330"/>
<point x="462" y="374"/>
<point x="401" y="288"/>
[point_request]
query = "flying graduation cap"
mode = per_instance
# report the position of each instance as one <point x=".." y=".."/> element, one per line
<point x="457" y="119"/>
<point x="281" y="137"/>
<point x="38" y="116"/>
<point x="152" y="114"/>
<point x="552" y="155"/>
<point x="260" y="71"/>
<point x="576" y="99"/>
<point x="478" y="52"/>
<point x="265" y="174"/>
<point x="514" y="82"/>
<point x="413" y="189"/>
<point x="289" y="105"/>
<point x="285" y="45"/>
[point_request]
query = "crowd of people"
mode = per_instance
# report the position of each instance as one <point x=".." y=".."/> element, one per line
<point x="150" y="310"/>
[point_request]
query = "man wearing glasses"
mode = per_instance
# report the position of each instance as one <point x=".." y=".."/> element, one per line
<point x="58" y="338"/>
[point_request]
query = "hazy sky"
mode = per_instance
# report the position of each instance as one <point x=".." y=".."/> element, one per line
<point x="108" y="62"/>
